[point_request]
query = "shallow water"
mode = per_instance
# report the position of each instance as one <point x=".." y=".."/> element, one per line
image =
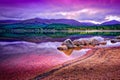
<point x="21" y="58"/>
<point x="29" y="54"/>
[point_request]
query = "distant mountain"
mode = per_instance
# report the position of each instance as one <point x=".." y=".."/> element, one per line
<point x="58" y="21"/>
<point x="113" y="22"/>
<point x="48" y="21"/>
<point x="39" y="21"/>
<point x="9" y="21"/>
<point x="87" y="24"/>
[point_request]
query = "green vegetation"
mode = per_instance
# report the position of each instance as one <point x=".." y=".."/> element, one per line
<point x="59" y="27"/>
<point x="54" y="30"/>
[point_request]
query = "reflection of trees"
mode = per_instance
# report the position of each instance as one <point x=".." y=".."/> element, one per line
<point x="54" y="34"/>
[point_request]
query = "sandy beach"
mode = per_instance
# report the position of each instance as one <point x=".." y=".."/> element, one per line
<point x="103" y="64"/>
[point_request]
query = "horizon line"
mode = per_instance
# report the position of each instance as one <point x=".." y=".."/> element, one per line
<point x="86" y="21"/>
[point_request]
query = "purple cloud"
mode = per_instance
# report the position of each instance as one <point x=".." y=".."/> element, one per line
<point x="98" y="10"/>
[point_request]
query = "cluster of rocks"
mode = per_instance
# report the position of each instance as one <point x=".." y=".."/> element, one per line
<point x="86" y="42"/>
<point x="69" y="44"/>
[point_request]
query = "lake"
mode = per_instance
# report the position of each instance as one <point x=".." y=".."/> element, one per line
<point x="28" y="54"/>
<point x="46" y="36"/>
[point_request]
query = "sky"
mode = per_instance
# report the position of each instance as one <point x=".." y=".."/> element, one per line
<point x="95" y="11"/>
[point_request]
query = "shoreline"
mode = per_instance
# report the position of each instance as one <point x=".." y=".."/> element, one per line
<point x="36" y="66"/>
<point x="88" y="55"/>
<point x="65" y="64"/>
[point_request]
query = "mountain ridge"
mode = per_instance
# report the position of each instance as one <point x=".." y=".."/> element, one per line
<point x="70" y="22"/>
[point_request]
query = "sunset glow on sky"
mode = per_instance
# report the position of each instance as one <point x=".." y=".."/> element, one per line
<point x="81" y="10"/>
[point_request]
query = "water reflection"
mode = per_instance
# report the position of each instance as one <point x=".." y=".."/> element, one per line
<point x="52" y="36"/>
<point x="68" y="52"/>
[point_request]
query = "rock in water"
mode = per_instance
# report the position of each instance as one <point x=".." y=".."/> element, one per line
<point x="81" y="42"/>
<point x="76" y="42"/>
<point x="94" y="42"/>
<point x="105" y="39"/>
<point x="118" y="37"/>
<point x="115" y="40"/>
<point x="85" y="42"/>
<point x="63" y="47"/>
<point x="103" y="43"/>
<point x="68" y="43"/>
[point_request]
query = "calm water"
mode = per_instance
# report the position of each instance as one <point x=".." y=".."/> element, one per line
<point x="30" y="53"/>
<point x="51" y="36"/>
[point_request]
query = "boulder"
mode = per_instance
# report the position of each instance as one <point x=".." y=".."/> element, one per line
<point x="68" y="43"/>
<point x="63" y="47"/>
<point x="115" y="40"/>
<point x="84" y="42"/>
<point x="77" y="42"/>
<point x="94" y="42"/>
<point x="103" y="43"/>
<point x="117" y="37"/>
<point x="81" y="42"/>
<point x="105" y="39"/>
